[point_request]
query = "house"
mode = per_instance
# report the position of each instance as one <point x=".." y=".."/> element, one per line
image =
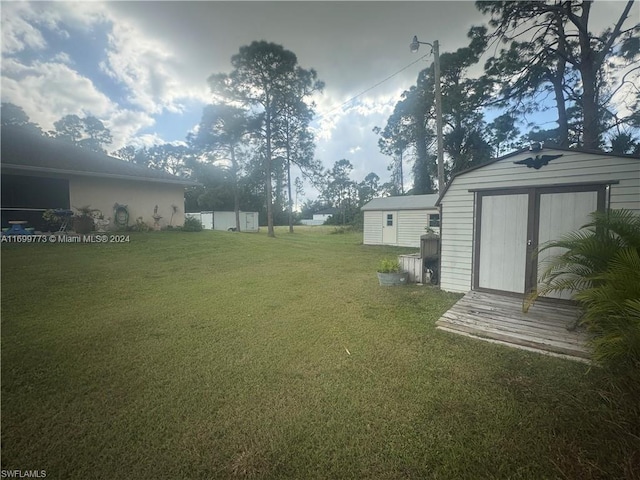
<point x="320" y="217"/>
<point x="40" y="173"/>
<point x="495" y="216"/>
<point x="323" y="215"/>
<point x="400" y="220"/>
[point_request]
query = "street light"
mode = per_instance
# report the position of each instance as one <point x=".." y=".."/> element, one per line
<point x="414" y="46"/>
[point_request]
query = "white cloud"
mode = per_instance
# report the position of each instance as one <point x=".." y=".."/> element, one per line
<point x="48" y="91"/>
<point x="148" y="69"/>
<point x="146" y="140"/>
<point x="62" y="57"/>
<point x="125" y="125"/>
<point x="18" y="33"/>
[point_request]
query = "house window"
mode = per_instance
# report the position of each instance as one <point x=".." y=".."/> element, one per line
<point x="434" y="220"/>
<point x="389" y="219"/>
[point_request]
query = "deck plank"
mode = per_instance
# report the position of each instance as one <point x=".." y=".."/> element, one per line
<point x="500" y="317"/>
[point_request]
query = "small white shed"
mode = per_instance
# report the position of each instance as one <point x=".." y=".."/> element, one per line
<point x="227" y="220"/>
<point x="494" y="216"/>
<point x="400" y="220"/>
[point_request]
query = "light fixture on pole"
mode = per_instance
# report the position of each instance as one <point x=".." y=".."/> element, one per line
<point x="414" y="46"/>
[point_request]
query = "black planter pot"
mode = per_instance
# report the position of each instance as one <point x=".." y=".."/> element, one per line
<point x="82" y="225"/>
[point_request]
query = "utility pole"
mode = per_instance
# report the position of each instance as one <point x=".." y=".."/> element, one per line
<point x="435" y="48"/>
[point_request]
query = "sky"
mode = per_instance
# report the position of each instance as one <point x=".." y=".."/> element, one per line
<point x="142" y="67"/>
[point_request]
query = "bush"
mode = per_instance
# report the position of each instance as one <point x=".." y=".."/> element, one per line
<point x="388" y="265"/>
<point x="52" y="219"/>
<point x="601" y="265"/>
<point x="191" y="225"/>
<point x="342" y="229"/>
<point x="140" y="226"/>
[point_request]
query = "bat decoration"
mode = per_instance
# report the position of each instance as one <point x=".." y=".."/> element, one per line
<point x="538" y="161"/>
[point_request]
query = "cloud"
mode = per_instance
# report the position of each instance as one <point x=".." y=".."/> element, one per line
<point x="48" y="81"/>
<point x="47" y="91"/>
<point x="125" y="124"/>
<point x="18" y="33"/>
<point x="148" y="69"/>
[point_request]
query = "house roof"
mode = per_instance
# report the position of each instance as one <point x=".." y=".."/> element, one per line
<point x="527" y="149"/>
<point x="327" y="211"/>
<point x="25" y="152"/>
<point x="406" y="202"/>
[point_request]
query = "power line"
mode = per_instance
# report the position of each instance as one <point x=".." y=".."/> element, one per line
<point x="370" y="88"/>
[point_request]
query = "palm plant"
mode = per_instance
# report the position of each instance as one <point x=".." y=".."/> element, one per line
<point x="600" y="265"/>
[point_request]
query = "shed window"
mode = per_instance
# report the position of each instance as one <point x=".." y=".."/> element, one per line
<point x="389" y="219"/>
<point x="434" y="220"/>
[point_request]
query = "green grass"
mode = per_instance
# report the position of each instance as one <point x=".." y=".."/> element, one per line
<point x="220" y="355"/>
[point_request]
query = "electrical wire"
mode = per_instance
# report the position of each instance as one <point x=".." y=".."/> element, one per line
<point x="370" y="88"/>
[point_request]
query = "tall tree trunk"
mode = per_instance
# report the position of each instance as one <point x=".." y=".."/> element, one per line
<point x="557" y="81"/>
<point x="267" y="172"/>
<point x="591" y="128"/>
<point x="401" y="174"/>
<point x="236" y="196"/>
<point x="289" y="188"/>
<point x="422" y="179"/>
<point x="588" y="72"/>
<point x="290" y="199"/>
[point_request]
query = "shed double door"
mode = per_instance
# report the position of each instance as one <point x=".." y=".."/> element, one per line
<point x="511" y="224"/>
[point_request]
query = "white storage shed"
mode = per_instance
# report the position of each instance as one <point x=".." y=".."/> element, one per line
<point x="400" y="220"/>
<point x="494" y="216"/>
<point x="227" y="220"/>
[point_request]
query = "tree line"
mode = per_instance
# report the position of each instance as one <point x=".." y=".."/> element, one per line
<point x="245" y="145"/>
<point x="544" y="57"/>
<point x="257" y="128"/>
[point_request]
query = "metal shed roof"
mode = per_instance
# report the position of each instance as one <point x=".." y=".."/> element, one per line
<point x="406" y="202"/>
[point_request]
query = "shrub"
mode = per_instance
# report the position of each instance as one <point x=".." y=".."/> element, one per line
<point x="340" y="230"/>
<point x="52" y="219"/>
<point x="191" y="225"/>
<point x="388" y="265"/>
<point x="601" y="266"/>
<point x="140" y="226"/>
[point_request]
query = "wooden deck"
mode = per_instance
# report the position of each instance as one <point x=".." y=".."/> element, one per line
<point x="499" y="318"/>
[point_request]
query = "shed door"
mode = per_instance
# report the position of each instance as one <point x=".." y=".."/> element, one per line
<point x="389" y="228"/>
<point x="206" y="218"/>
<point x="513" y="224"/>
<point x="503" y="242"/>
<point x="250" y="222"/>
<point x="561" y="213"/>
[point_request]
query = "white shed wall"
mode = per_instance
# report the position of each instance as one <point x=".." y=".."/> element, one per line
<point x="411" y="224"/>
<point x="457" y="221"/>
<point x="372" y="230"/>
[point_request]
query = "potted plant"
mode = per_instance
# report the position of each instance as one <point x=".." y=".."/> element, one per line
<point x="389" y="273"/>
<point x="82" y="221"/>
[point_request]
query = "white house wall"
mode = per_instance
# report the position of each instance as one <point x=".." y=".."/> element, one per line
<point x="140" y="198"/>
<point x="457" y="206"/>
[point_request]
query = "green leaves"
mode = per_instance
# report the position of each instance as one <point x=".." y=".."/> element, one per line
<point x="601" y="265"/>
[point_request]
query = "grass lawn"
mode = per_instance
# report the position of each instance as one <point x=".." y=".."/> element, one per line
<point x="220" y="355"/>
